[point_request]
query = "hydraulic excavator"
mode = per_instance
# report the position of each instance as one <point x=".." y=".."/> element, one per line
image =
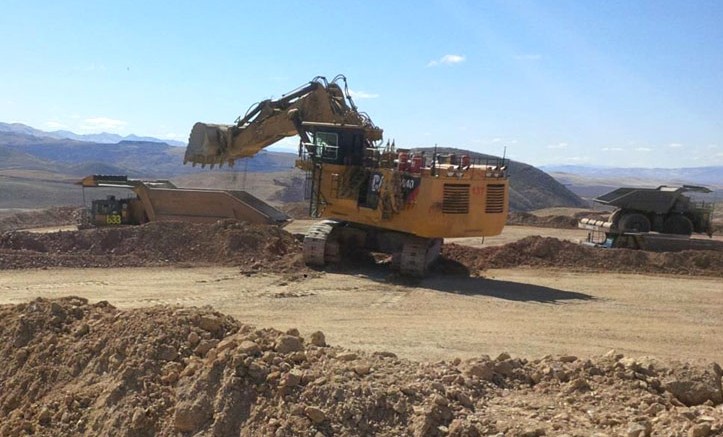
<point x="372" y="196"/>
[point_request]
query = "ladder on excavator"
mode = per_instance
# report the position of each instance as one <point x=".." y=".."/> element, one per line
<point x="313" y="189"/>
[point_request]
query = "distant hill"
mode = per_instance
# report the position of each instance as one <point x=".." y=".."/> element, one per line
<point x="12" y="158"/>
<point x="134" y="158"/>
<point x="709" y="176"/>
<point x="41" y="171"/>
<point x="104" y="137"/>
<point x="590" y="182"/>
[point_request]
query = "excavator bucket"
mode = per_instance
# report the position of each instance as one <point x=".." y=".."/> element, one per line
<point x="208" y="144"/>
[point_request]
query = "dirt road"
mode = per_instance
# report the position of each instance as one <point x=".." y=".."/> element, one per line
<point x="525" y="312"/>
<point x="508" y="235"/>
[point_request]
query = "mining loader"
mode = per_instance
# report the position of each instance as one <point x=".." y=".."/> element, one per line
<point x="161" y="200"/>
<point x="372" y="196"/>
<point x="656" y="219"/>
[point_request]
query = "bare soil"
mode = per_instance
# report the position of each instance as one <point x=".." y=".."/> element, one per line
<point x="75" y="368"/>
<point x="512" y="339"/>
<point x="11" y="220"/>
<point x="526" y="312"/>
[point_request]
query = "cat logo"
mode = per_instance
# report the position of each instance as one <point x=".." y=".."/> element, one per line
<point x="376" y="182"/>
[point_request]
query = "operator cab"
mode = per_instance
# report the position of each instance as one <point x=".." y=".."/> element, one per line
<point x="336" y="143"/>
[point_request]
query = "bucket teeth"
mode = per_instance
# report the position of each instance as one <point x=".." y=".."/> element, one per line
<point x="206" y="144"/>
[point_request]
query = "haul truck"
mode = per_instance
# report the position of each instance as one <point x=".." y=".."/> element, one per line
<point x="161" y="200"/>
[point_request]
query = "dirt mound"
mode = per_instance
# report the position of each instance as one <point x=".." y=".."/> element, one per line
<point x="269" y="248"/>
<point x="552" y="221"/>
<point x="537" y="251"/>
<point x="72" y="368"/>
<point x="297" y="210"/>
<point x="55" y="216"/>
<point x="154" y="244"/>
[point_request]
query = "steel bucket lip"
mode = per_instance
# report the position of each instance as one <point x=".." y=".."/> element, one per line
<point x="206" y="144"/>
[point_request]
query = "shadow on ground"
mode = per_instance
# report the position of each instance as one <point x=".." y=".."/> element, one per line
<point x="452" y="277"/>
<point x="507" y="290"/>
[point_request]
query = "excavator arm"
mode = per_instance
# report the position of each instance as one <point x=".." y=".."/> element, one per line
<point x="269" y="121"/>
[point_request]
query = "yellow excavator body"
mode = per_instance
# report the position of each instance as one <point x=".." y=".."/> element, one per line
<point x="376" y="196"/>
<point x="454" y="202"/>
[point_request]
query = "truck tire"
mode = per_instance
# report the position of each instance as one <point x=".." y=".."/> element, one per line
<point x="678" y="224"/>
<point x="634" y="222"/>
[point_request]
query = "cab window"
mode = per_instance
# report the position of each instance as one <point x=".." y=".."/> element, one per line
<point x="327" y="144"/>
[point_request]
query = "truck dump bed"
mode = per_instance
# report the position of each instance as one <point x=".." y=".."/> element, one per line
<point x="207" y="206"/>
<point x="659" y="200"/>
<point x="258" y="205"/>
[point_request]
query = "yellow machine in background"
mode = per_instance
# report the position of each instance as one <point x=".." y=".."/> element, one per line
<point x="161" y="200"/>
<point x="375" y="197"/>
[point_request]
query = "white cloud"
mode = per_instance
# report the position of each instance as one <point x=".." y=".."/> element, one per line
<point x="288" y="144"/>
<point x="362" y="95"/>
<point x="446" y="60"/>
<point x="557" y="146"/>
<point x="576" y="159"/>
<point x="612" y="149"/>
<point x="675" y="145"/>
<point x="496" y="140"/>
<point x="528" y="57"/>
<point x="102" y="124"/>
<point x="643" y="149"/>
<point x="55" y="125"/>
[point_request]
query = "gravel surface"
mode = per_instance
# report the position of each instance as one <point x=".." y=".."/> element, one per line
<point x="74" y="368"/>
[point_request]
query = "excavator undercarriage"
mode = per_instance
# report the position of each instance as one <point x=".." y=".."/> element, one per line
<point x="330" y="241"/>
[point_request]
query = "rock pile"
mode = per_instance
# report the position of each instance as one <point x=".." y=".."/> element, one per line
<point x="155" y="244"/>
<point x="552" y="221"/>
<point x="54" y="216"/>
<point x="537" y="251"/>
<point x="74" y="368"/>
<point x="270" y="248"/>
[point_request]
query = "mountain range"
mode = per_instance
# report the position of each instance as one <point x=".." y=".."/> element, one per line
<point x="103" y="137"/>
<point x="590" y="182"/>
<point x="711" y="177"/>
<point x="140" y="159"/>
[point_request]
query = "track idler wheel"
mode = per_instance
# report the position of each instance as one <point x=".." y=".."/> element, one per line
<point x="418" y="254"/>
<point x="319" y="245"/>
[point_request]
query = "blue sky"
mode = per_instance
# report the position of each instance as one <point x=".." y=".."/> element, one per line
<point x="623" y="83"/>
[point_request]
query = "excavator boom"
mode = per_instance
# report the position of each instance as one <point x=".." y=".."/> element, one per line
<point x="272" y="120"/>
